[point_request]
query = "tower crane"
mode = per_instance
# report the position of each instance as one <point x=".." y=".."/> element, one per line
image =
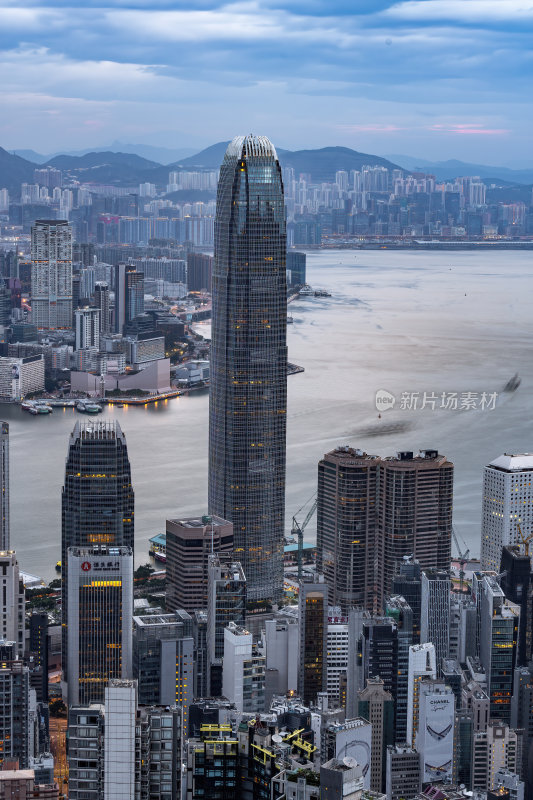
<point x="297" y="530"/>
<point x="464" y="555"/>
<point x="525" y="539"/>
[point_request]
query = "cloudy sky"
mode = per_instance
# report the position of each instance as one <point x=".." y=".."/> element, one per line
<point x="435" y="79"/>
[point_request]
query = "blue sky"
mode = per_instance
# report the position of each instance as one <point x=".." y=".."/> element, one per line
<point x="436" y="79"/>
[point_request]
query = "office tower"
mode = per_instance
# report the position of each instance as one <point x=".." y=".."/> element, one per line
<point x="379" y="652"/>
<point x="337" y="779"/>
<point x="119" y="742"/>
<point x="97" y="498"/>
<point x="517" y="586"/>
<point x="129" y="295"/>
<point x="435" y="732"/>
<point x="408" y="583"/>
<point x="493" y="749"/>
<point x="464" y="741"/>
<point x="377" y="706"/>
<point x="349" y="554"/>
<point x="226" y="602"/>
<point x="38" y="646"/>
<point x="452" y="675"/>
<point x="100" y="610"/>
<point x="415" y="510"/>
<point x="507" y="503"/>
<point x="163" y="659"/>
<point x="189" y="543"/>
<point x="435" y="617"/>
<point x="282" y="646"/>
<point x="243" y="671"/>
<point x="248" y="381"/>
<point x="476" y="700"/>
<point x="296" y="263"/>
<point x="87" y="326"/>
<point x="352" y="738"/>
<point x="4" y="485"/>
<point x="400" y="611"/>
<point x="51" y="274"/>
<point x="313" y="618"/>
<point x="403" y="772"/>
<point x="199" y="272"/>
<point x="422" y="664"/>
<point x="12" y="601"/>
<point x="17" y="700"/>
<point x="161" y="752"/>
<point x="102" y="302"/>
<point x="337" y="658"/>
<point x="499" y="620"/>
<point x="522" y="718"/>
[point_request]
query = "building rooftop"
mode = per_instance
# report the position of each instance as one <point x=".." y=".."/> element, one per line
<point x="511" y="462"/>
<point x="251" y="146"/>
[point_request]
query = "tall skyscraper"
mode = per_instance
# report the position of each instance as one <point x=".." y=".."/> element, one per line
<point x="348" y="545"/>
<point x="97" y="499"/>
<point x="12" y="601"/>
<point x="226" y="602"/>
<point x="313" y="659"/>
<point x="51" y="274"/>
<point x="101" y="299"/>
<point x="415" y="509"/>
<point x="129" y="295"/>
<point x="435" y="621"/>
<point x="100" y="612"/>
<point x="87" y="321"/>
<point x="422" y="664"/>
<point x="248" y="382"/>
<point x="507" y="503"/>
<point x="4" y="486"/>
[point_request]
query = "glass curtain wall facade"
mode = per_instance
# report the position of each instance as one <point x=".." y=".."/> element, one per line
<point x="248" y="381"/>
<point x="97" y="499"/>
<point x="4" y="485"/>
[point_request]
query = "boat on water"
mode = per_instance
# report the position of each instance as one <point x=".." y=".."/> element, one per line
<point x="322" y="293"/>
<point x="513" y="383"/>
<point x="290" y="320"/>
<point x="36" y="407"/>
<point x="159" y="556"/>
<point x="307" y="291"/>
<point x="58" y="566"/>
<point x="85" y="407"/>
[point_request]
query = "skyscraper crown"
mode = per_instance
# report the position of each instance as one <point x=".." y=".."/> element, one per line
<point x="251" y="146"/>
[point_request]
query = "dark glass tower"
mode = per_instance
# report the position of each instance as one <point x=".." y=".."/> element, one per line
<point x="97" y="500"/>
<point x="248" y="381"/>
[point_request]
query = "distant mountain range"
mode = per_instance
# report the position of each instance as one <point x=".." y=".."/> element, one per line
<point x="448" y="170"/>
<point x="162" y="155"/>
<point x="125" y="168"/>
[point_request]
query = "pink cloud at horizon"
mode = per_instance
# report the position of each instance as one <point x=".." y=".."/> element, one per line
<point x="468" y="129"/>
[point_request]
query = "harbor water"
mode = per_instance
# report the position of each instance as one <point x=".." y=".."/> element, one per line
<point x="432" y="329"/>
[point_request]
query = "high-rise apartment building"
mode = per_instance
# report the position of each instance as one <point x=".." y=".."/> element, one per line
<point x="415" y="510"/>
<point x="248" y="381"/>
<point x="189" y="544"/>
<point x="120" y="740"/>
<point x="507" y="504"/>
<point x="97" y="498"/>
<point x="4" y="486"/>
<point x="87" y="326"/>
<point x="349" y="553"/>
<point x="377" y="706"/>
<point x="243" y="673"/>
<point x="15" y="717"/>
<point x="100" y="611"/>
<point x="12" y="601"/>
<point x="102" y="302"/>
<point x="51" y="274"/>
<point x="403" y="772"/>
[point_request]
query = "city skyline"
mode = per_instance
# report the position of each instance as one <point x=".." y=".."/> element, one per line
<point x="392" y="77"/>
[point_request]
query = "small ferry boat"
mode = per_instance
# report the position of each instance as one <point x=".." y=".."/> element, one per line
<point x="86" y="407"/>
<point x="290" y="320"/>
<point x="307" y="291"/>
<point x="58" y="566"/>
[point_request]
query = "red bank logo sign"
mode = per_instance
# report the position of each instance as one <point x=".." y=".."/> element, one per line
<point x="86" y="566"/>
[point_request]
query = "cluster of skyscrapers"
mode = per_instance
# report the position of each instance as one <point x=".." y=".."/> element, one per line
<point x="383" y="674"/>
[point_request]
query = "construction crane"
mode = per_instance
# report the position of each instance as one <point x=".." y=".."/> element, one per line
<point x="525" y="539"/>
<point x="463" y="558"/>
<point x="297" y="531"/>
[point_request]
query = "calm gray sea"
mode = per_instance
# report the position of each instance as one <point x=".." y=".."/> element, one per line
<point x="410" y="322"/>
